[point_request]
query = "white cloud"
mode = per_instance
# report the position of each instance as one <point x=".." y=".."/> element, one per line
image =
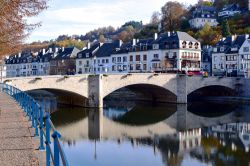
<point x="79" y="19"/>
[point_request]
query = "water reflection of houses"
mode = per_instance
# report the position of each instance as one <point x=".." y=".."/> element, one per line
<point x="235" y="134"/>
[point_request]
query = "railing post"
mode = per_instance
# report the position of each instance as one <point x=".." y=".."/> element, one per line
<point x="56" y="137"/>
<point x="41" y="128"/>
<point x="47" y="142"/>
<point x="36" y="120"/>
<point x="32" y="113"/>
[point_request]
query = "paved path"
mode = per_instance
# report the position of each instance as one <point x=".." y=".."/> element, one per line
<point x="17" y="144"/>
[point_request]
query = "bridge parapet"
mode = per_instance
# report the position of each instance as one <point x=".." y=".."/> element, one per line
<point x="97" y="87"/>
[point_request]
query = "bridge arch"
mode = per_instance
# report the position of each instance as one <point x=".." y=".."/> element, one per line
<point x="197" y="83"/>
<point x="158" y="86"/>
<point x="62" y="96"/>
<point x="145" y="92"/>
<point x="211" y="91"/>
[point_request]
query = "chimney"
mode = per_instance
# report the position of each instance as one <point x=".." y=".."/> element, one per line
<point x="134" y="42"/>
<point x="88" y="45"/>
<point x="43" y="51"/>
<point x="62" y="48"/>
<point x="56" y="49"/>
<point x="50" y="50"/>
<point x="233" y="37"/>
<point x="120" y="43"/>
<point x="247" y="35"/>
<point x="19" y="54"/>
<point x="155" y="36"/>
<point x="169" y="33"/>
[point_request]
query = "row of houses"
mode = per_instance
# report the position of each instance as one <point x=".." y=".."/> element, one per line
<point x="167" y="52"/>
<point x="208" y="15"/>
<point x="231" y="56"/>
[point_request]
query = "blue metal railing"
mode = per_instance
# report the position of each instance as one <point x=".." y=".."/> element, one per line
<point x="40" y="120"/>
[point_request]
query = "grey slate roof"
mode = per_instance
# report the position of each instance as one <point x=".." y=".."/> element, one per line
<point x="67" y="53"/>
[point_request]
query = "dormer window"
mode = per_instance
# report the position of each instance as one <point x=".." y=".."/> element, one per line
<point x="222" y="49"/>
<point x="87" y="55"/>
<point x="184" y="44"/>
<point x="155" y="46"/>
<point x="79" y="55"/>
<point x="190" y="44"/>
<point x="144" y="48"/>
<point x="196" y="45"/>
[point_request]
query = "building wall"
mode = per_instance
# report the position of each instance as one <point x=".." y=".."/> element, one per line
<point x="218" y="63"/>
<point x="244" y="59"/>
<point x="200" y="22"/>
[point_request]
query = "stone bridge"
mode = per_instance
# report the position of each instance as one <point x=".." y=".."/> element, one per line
<point x="160" y="87"/>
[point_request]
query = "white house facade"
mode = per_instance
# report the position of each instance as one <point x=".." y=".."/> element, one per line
<point x="244" y="58"/>
<point x="170" y="52"/>
<point x="203" y="15"/>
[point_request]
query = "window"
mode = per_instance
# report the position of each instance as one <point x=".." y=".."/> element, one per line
<point x="113" y="68"/>
<point x="80" y="63"/>
<point x="215" y="58"/>
<point x="144" y="66"/>
<point x="131" y="67"/>
<point x="119" y="68"/>
<point x="145" y="57"/>
<point x="155" y="46"/>
<point x="80" y="71"/>
<point x="175" y="54"/>
<point x="131" y="58"/>
<point x="245" y="49"/>
<point x="222" y="49"/>
<point x="138" y="58"/>
<point x="190" y="44"/>
<point x="119" y="59"/>
<point x="138" y="67"/>
<point x="87" y="55"/>
<point x="124" y="67"/>
<point x="98" y="61"/>
<point x="103" y="61"/>
<point x="124" y="59"/>
<point x="107" y="60"/>
<point x="114" y="59"/>
<point x="156" y="56"/>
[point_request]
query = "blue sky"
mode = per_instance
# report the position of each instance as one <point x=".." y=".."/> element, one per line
<point x="80" y="16"/>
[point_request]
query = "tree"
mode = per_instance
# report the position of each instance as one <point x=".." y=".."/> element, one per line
<point x="225" y="29"/>
<point x="147" y="31"/>
<point x="70" y="43"/>
<point x="13" y="25"/>
<point x="172" y="12"/>
<point x="207" y="35"/>
<point x="155" y="18"/>
<point x="205" y="3"/>
<point x="102" y="39"/>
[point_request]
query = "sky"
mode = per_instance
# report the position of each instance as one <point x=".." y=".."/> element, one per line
<point x="80" y="16"/>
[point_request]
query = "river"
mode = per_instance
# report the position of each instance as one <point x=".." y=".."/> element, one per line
<point x="145" y="134"/>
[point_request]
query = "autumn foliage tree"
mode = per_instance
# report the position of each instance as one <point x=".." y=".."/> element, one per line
<point x="208" y="36"/>
<point x="172" y="12"/>
<point x="13" y="25"/>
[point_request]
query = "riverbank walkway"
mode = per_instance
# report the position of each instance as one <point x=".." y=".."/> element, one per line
<point x="17" y="143"/>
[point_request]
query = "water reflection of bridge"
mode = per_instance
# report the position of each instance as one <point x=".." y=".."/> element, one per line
<point x="96" y="126"/>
